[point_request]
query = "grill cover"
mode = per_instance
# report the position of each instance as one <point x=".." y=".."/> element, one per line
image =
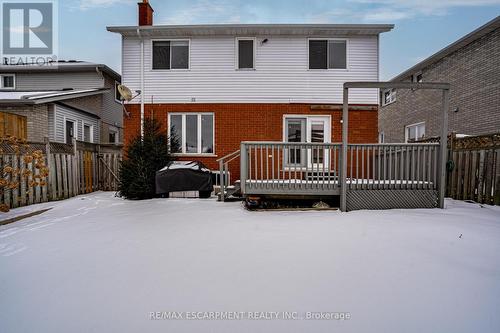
<point x="184" y="176"/>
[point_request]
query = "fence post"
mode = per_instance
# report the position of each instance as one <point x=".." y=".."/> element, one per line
<point x="243" y="166"/>
<point x="444" y="146"/>
<point x="50" y="164"/>
<point x="343" y="172"/>
<point x="74" y="168"/>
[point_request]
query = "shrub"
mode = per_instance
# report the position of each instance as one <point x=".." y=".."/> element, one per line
<point x="143" y="158"/>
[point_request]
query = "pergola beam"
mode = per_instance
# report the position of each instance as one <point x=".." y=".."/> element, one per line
<point x="398" y="85"/>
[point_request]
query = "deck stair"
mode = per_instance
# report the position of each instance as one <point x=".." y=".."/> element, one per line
<point x="232" y="192"/>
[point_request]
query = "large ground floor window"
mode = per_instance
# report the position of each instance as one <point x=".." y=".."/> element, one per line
<point x="193" y="131"/>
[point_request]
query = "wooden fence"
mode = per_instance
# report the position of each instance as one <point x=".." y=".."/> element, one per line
<point x="473" y="168"/>
<point x="73" y="169"/>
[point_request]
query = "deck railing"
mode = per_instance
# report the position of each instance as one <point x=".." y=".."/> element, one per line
<point x="224" y="179"/>
<point x="291" y="168"/>
<point x="314" y="168"/>
<point x="392" y="166"/>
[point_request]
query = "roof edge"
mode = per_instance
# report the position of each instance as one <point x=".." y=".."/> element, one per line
<point x="447" y="50"/>
<point x="136" y="29"/>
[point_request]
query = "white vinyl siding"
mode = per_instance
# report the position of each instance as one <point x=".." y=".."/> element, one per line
<point x="62" y="113"/>
<point x="281" y="73"/>
<point x="112" y="111"/>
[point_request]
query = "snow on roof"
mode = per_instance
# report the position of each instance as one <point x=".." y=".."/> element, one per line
<point x="60" y="66"/>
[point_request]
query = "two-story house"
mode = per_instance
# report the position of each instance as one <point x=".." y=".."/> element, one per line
<point x="472" y="67"/>
<point x="214" y="86"/>
<point x="61" y="101"/>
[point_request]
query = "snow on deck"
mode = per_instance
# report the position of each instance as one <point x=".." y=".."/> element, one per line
<point x="98" y="263"/>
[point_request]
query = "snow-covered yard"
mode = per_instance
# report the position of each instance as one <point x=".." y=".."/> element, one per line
<point x="101" y="264"/>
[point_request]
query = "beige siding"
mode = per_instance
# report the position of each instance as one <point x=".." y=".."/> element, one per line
<point x="58" y="81"/>
<point x="61" y="113"/>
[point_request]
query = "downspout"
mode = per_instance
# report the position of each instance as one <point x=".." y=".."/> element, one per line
<point x="142" y="81"/>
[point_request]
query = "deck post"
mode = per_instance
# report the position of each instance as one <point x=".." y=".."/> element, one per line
<point x="243" y="167"/>
<point x="443" y="147"/>
<point x="345" y="129"/>
<point x="221" y="181"/>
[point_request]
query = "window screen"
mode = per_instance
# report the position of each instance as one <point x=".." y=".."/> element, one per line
<point x="207" y="134"/>
<point x="245" y="54"/>
<point x="161" y="55"/>
<point x="192" y="134"/>
<point x="180" y="54"/>
<point x="175" y="133"/>
<point x="8" y="81"/>
<point x="337" y="54"/>
<point x="318" y="54"/>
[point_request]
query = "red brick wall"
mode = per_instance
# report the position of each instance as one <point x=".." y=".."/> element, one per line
<point x="253" y="122"/>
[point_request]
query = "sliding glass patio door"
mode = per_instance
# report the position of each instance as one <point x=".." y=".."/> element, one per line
<point x="318" y="132"/>
<point x="306" y="130"/>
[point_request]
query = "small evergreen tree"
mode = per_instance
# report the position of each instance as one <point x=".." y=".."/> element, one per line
<point x="143" y="158"/>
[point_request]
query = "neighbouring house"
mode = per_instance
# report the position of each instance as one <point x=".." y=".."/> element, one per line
<point x="472" y="67"/>
<point x="62" y="100"/>
<point x="214" y="86"/>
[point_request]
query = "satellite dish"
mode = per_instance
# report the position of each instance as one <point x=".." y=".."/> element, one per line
<point x="125" y="92"/>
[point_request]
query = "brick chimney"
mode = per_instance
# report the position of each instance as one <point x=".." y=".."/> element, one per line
<point x="145" y="13"/>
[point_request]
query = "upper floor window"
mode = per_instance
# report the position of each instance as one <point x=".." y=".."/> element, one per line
<point x="193" y="133"/>
<point x="327" y="54"/>
<point x="246" y="53"/>
<point x="417" y="78"/>
<point x="414" y="132"/>
<point x="388" y="96"/>
<point x="118" y="96"/>
<point x="171" y="54"/>
<point x="8" y="81"/>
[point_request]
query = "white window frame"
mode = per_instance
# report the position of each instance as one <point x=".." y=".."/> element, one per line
<point x="199" y="134"/>
<point x="1" y="82"/>
<point x="117" y="100"/>
<point x="75" y="128"/>
<point x="309" y="118"/>
<point x="237" y="55"/>
<point x="418" y="136"/>
<point x="91" y="131"/>
<point x="117" y="134"/>
<point x="346" y="69"/>
<point x="393" y="95"/>
<point x="171" y="40"/>
<point x="414" y="77"/>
